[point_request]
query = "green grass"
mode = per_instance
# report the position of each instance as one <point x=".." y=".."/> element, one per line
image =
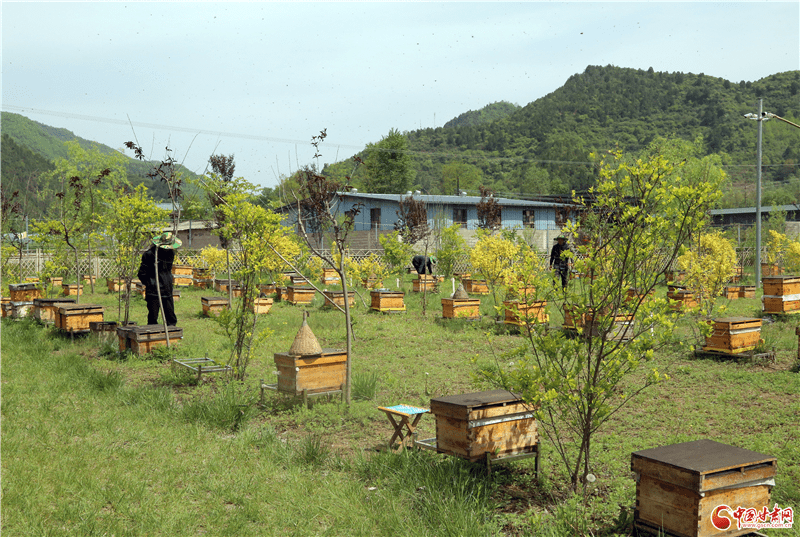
<point x="97" y="443"/>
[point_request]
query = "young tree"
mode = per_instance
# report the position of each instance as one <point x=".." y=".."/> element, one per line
<point x="489" y="212"/>
<point x="458" y="176"/>
<point x="318" y="211"/>
<point x="133" y="218"/>
<point x="644" y="211"/>
<point x="412" y="223"/>
<point x="493" y="257"/>
<point x="709" y="265"/>
<point x="261" y="240"/>
<point x="452" y="247"/>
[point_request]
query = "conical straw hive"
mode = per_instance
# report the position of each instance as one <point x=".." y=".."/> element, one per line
<point x="461" y="293"/>
<point x="305" y="343"/>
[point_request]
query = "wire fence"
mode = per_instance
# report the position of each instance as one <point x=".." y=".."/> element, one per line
<point x="102" y="265"/>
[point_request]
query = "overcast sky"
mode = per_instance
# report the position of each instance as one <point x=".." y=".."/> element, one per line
<point x="258" y="80"/>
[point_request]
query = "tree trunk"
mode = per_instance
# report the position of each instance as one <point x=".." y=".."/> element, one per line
<point x="349" y="331"/>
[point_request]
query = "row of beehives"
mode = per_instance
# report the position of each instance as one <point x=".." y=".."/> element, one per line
<point x="781" y="294"/>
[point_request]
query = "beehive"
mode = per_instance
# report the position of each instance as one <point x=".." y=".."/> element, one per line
<point x="87" y="279"/>
<point x="330" y="276"/>
<point x="213" y="305"/>
<point x="733" y="335"/>
<point x="371" y="282"/>
<point x="781" y="294"/>
<point x="71" y="289"/>
<point x="679" y="486"/>
<point x="76" y="317"/>
<point x="182" y="275"/>
<point x="675" y="276"/>
<point x="21" y="309"/>
<point x="732" y="292"/>
<point x="299" y="294"/>
<point x="477" y="287"/>
<point x="261" y="305"/>
<point x="770" y="269"/>
<point x="55" y="281"/>
<point x="387" y="301"/>
<point x="737" y="275"/>
<point x="44" y="309"/>
<point x="115" y="285"/>
<point x="24" y="292"/>
<point x="267" y="288"/>
<point x="461" y="308"/>
<point x="681" y="299"/>
<point x="336" y="298"/>
<point x="494" y="422"/>
<point x="5" y="305"/>
<point x="521" y="313"/>
<point x="425" y="282"/>
<point x="222" y="285"/>
<point x="202" y="278"/>
<point x="308" y="368"/>
<point x="620" y="326"/>
<point x="143" y="339"/>
<point x="280" y="293"/>
<point x="747" y="291"/>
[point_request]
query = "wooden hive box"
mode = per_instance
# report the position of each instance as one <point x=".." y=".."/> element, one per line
<point x="182" y="275"/>
<point x="781" y="294"/>
<point x="115" y="285"/>
<point x="620" y="329"/>
<point x="24" y="292"/>
<point x="44" y="309"/>
<point x="797" y="333"/>
<point x="87" y="279"/>
<point x="55" y="281"/>
<point x="76" y="317"/>
<point x="770" y="269"/>
<point x="261" y="305"/>
<point x="267" y="288"/>
<point x="738" y="272"/>
<point x="71" y="289"/>
<point x="747" y="291"/>
<point x="5" y="306"/>
<point x="733" y="335"/>
<point x="222" y="285"/>
<point x="423" y="283"/>
<point x="213" y="305"/>
<point x="297" y="279"/>
<point x="329" y="276"/>
<point x="371" y="283"/>
<point x="387" y="301"/>
<point x="280" y="293"/>
<point x="520" y="313"/>
<point x="315" y="373"/>
<point x="478" y="287"/>
<point x="22" y="309"/>
<point x="143" y="339"/>
<point x="678" y="486"/>
<point x="461" y="308"/>
<point x="299" y="294"/>
<point x="202" y="278"/>
<point x="462" y="275"/>
<point x="337" y="298"/>
<point x="494" y="422"/>
<point x="732" y="292"/>
<point x="681" y="299"/>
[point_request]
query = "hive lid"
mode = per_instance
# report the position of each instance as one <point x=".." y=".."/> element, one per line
<point x="305" y="343"/>
<point x="460" y="293"/>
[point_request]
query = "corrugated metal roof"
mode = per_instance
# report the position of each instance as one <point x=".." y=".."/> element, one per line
<point x="748" y="210"/>
<point x="452" y="200"/>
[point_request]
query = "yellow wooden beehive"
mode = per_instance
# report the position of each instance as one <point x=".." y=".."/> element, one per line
<point x="44" y="309"/>
<point x="308" y="368"/>
<point x="24" y="292"/>
<point x="781" y="294"/>
<point x="387" y="301"/>
<point x="336" y="298"/>
<point x="296" y="294"/>
<point x="213" y="305"/>
<point x="76" y="317"/>
<point x="143" y="339"/>
<point x="733" y="335"/>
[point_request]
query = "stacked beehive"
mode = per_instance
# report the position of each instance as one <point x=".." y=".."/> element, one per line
<point x="781" y="294"/>
<point x="734" y="335"/>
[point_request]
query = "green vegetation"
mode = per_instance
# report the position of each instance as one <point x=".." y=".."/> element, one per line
<point x="123" y="445"/>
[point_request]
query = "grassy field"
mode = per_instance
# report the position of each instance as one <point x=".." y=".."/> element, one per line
<point x="98" y="444"/>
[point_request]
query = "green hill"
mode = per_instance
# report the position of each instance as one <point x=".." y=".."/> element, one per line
<point x="30" y="147"/>
<point x="543" y="148"/>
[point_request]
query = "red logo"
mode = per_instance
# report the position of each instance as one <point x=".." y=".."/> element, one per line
<point x="720" y="521"/>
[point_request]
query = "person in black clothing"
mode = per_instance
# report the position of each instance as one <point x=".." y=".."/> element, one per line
<point x="422" y="264"/>
<point x="558" y="262"/>
<point x="166" y="244"/>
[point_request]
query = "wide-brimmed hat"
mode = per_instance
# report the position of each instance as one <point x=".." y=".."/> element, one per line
<point x="433" y="259"/>
<point x="167" y="240"/>
<point x="560" y="238"/>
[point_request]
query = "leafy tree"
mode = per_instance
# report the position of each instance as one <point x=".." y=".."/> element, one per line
<point x="389" y="169"/>
<point x="261" y="240"/>
<point x="493" y="257"/>
<point x="644" y="210"/>
<point x="133" y="218"/>
<point x="452" y="247"/>
<point x="458" y="176"/>
<point x="489" y="212"/>
<point x="709" y="266"/>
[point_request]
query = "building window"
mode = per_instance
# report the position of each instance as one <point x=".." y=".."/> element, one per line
<point x="460" y="217"/>
<point x="528" y="219"/>
<point x="375" y="218"/>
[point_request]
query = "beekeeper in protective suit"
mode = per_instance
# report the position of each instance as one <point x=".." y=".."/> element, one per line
<point x="163" y="249"/>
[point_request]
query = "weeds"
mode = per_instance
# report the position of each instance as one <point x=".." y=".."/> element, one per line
<point x="229" y="410"/>
<point x="365" y="386"/>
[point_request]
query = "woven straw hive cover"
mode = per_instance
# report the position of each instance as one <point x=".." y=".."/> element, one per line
<point x="460" y="293"/>
<point x="305" y="343"/>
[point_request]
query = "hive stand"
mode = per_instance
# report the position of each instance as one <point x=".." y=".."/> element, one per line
<point x="202" y="365"/>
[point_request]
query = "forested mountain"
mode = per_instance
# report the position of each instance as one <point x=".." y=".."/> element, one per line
<point x="487" y="114"/>
<point x="30" y="148"/>
<point x="543" y="148"/>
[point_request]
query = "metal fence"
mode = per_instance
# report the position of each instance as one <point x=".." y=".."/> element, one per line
<point x="102" y="266"/>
